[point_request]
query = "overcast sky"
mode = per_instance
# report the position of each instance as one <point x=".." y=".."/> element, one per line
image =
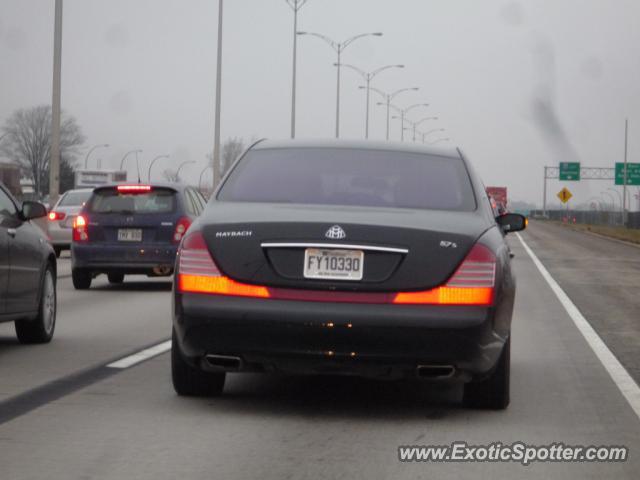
<point x="516" y="84"/>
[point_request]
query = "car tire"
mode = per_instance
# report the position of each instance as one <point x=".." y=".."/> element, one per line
<point x="192" y="382"/>
<point x="115" y="278"/>
<point x="57" y="251"/>
<point x="81" y="279"/>
<point x="493" y="392"/>
<point x="40" y="329"/>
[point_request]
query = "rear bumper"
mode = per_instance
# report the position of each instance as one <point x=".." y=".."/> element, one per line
<point x="100" y="258"/>
<point x="316" y="337"/>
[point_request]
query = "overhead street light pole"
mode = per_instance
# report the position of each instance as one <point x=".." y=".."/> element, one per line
<point x="86" y="158"/>
<point x="368" y="76"/>
<point x="426" y="134"/>
<point x="200" y="179"/>
<point x="388" y="98"/>
<point x="403" y="112"/>
<point x="154" y="161"/>
<point x="54" y="161"/>
<point x="216" y="131"/>
<point x="339" y="47"/>
<point x="126" y="155"/>
<point x="186" y="162"/>
<point x="295" y="5"/>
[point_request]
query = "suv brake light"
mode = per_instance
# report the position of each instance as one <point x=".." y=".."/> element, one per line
<point x="134" y="188"/>
<point x="80" y="233"/>
<point x="181" y="228"/>
<point x="472" y="283"/>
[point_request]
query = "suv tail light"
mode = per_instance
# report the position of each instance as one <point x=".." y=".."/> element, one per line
<point x="181" y="228"/>
<point x="472" y="283"/>
<point x="80" y="233"/>
<point x="55" y="216"/>
<point x="197" y="273"/>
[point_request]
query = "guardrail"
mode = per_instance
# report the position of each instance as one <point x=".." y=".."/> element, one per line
<point x="591" y="217"/>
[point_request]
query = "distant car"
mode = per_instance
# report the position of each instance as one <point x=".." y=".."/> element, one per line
<point x="131" y="229"/>
<point x="380" y="260"/>
<point x="62" y="216"/>
<point x="27" y="271"/>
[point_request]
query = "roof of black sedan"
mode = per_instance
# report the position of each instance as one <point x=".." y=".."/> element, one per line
<point x="410" y="147"/>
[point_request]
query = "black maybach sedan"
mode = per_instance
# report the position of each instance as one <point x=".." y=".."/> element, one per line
<point x="334" y="257"/>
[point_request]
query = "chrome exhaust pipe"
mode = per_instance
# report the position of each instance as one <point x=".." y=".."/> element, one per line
<point x="436" y="372"/>
<point x="226" y="362"/>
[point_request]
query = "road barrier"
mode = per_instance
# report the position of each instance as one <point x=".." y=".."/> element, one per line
<point x="591" y="217"/>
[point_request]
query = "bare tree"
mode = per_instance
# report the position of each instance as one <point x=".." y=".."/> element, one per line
<point x="27" y="142"/>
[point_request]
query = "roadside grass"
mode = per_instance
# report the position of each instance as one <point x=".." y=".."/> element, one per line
<point x="620" y="233"/>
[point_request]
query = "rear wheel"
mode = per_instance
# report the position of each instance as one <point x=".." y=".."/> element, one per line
<point x="81" y="279"/>
<point x="41" y="329"/>
<point x="192" y="382"/>
<point x="115" y="278"/>
<point x="492" y="393"/>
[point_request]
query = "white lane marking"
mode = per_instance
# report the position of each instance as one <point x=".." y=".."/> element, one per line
<point x="628" y="387"/>
<point x="141" y="356"/>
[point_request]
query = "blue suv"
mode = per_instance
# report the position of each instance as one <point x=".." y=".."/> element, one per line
<point x="131" y="229"/>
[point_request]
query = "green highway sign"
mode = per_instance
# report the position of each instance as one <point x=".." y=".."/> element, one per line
<point x="633" y="173"/>
<point x="570" y="171"/>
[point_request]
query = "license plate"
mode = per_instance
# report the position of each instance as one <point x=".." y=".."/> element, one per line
<point x="333" y="264"/>
<point x="130" y="235"/>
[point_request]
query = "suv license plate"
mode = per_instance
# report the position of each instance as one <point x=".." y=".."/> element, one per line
<point x="130" y="235"/>
<point x="333" y="264"/>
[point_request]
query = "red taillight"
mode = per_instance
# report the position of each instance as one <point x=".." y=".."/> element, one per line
<point x="181" y="228"/>
<point x="197" y="273"/>
<point x="55" y="216"/>
<point x="134" y="188"/>
<point x="471" y="284"/>
<point x="80" y="233"/>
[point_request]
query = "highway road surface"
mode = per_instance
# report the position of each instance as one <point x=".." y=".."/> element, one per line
<point x="65" y="414"/>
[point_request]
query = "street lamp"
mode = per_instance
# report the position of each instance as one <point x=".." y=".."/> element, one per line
<point x="403" y="112"/>
<point x="426" y="134"/>
<point x="388" y="97"/>
<point x="200" y="180"/>
<point x="86" y="158"/>
<point x="295" y="6"/>
<point x="339" y="47"/>
<point x="186" y="162"/>
<point x="216" y="127"/>
<point x="126" y="155"/>
<point x="151" y="164"/>
<point x="438" y="140"/>
<point x="368" y="76"/>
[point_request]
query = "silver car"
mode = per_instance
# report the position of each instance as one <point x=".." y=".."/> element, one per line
<point x="62" y="215"/>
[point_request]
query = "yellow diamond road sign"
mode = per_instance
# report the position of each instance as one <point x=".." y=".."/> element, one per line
<point x="564" y="195"/>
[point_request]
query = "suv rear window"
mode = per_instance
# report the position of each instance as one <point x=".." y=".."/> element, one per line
<point x="158" y="200"/>
<point x="353" y="177"/>
<point x="74" y="199"/>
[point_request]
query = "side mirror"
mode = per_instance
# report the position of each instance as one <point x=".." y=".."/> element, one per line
<point x="31" y="210"/>
<point x="512" y="222"/>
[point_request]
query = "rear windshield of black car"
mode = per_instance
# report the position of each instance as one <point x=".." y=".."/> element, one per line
<point x="351" y="177"/>
<point x="158" y="200"/>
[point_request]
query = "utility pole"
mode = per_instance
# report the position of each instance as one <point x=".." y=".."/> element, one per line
<point x="54" y="161"/>
<point x="624" y="185"/>
<point x="216" y="131"/>
<point x="295" y="5"/>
